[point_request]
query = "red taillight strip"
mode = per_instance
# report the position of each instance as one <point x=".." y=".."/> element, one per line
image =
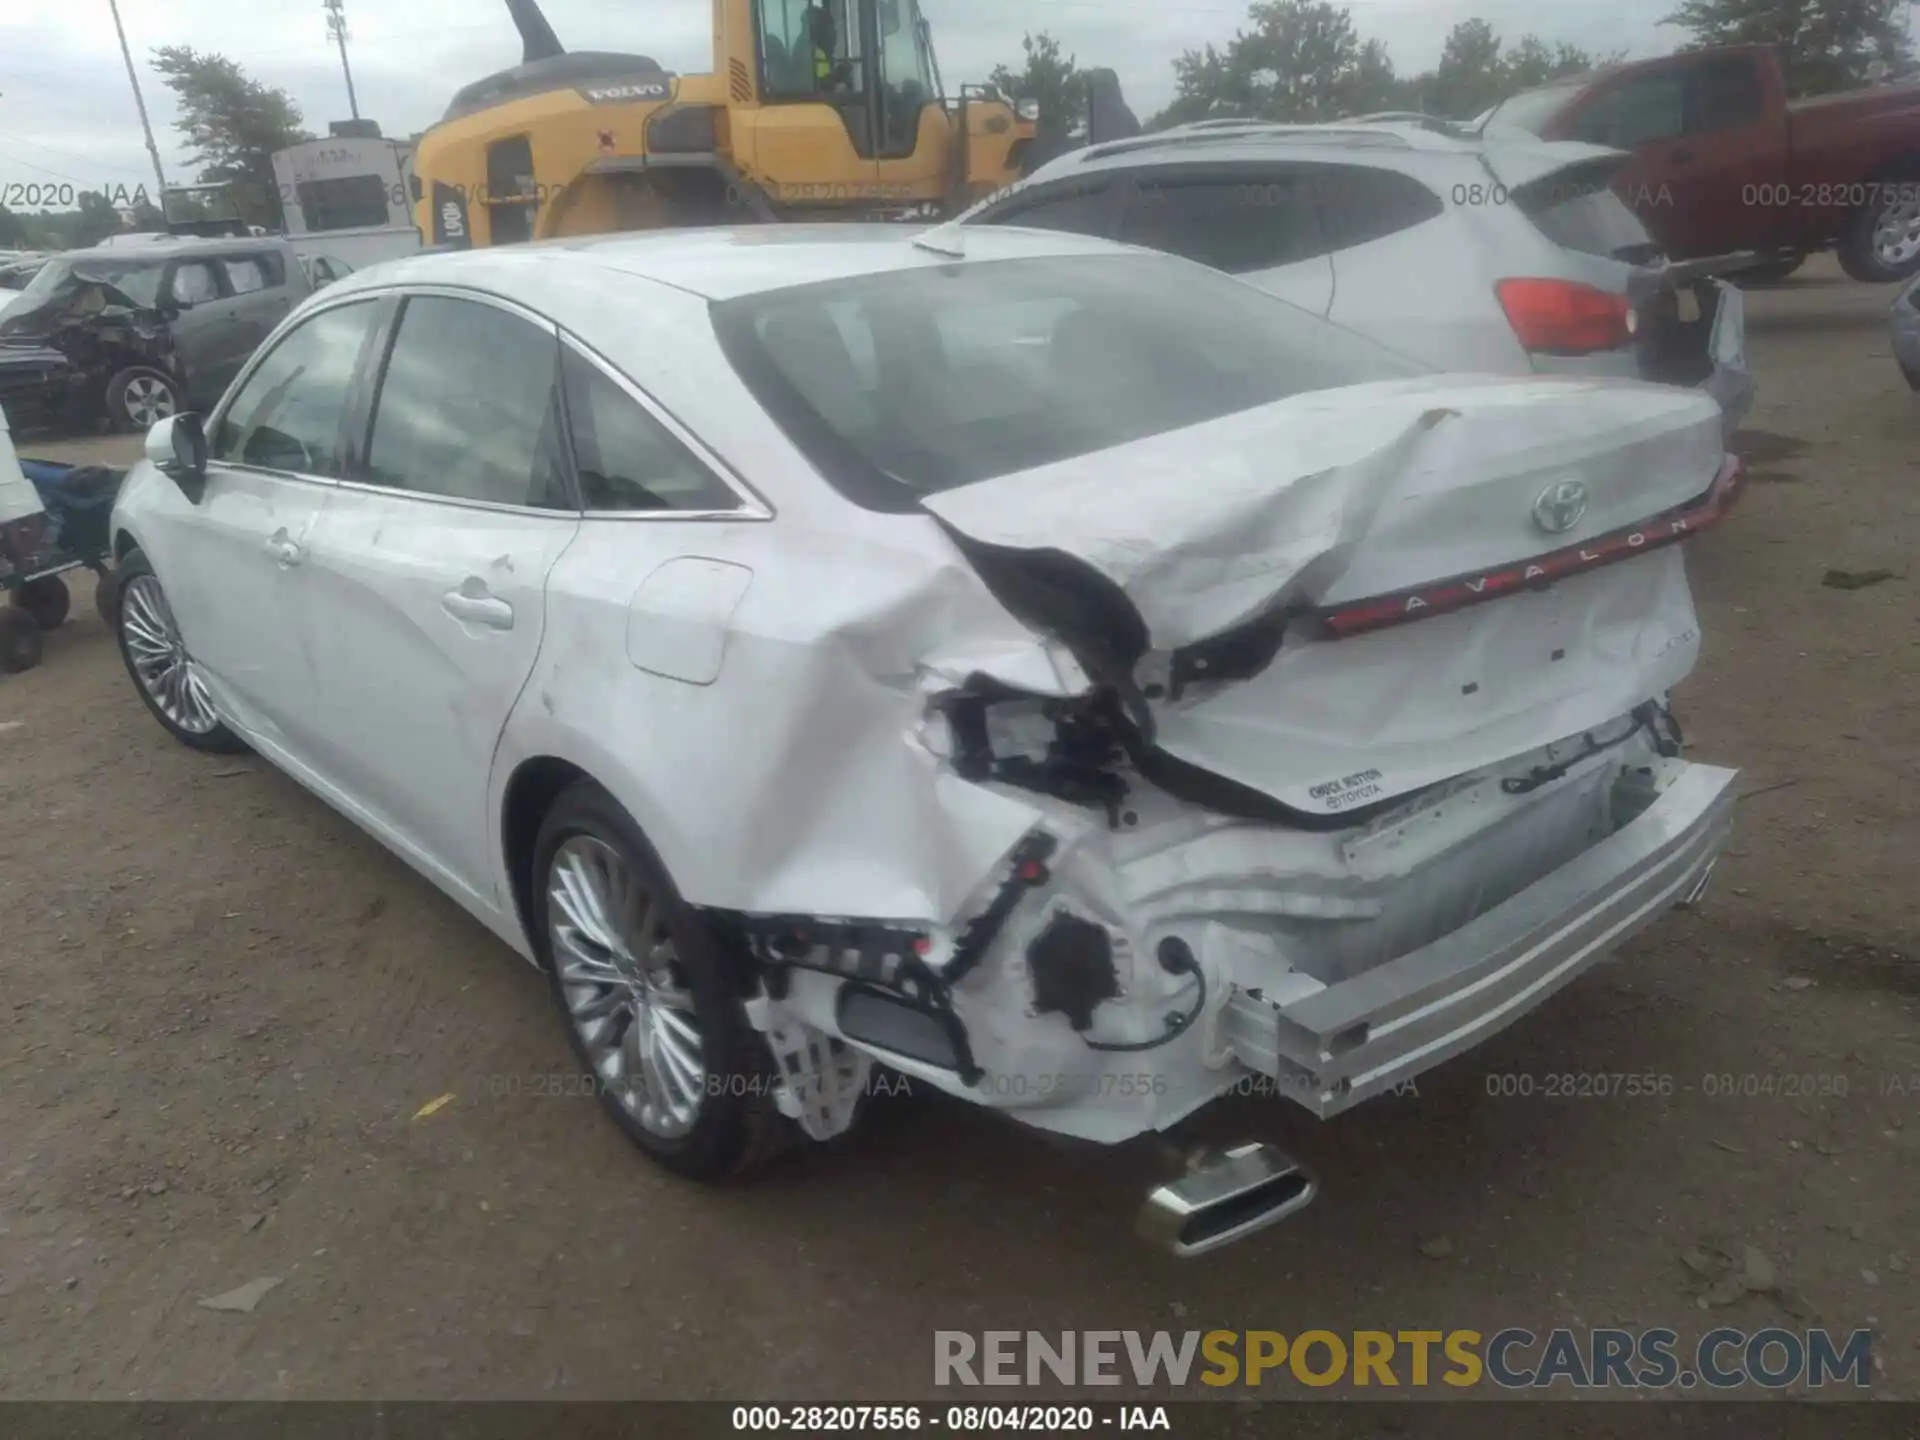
<point x="1666" y="528"/>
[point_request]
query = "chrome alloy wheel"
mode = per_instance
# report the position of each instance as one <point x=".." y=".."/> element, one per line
<point x="1896" y="232"/>
<point x="160" y="660"/>
<point x="624" y="989"/>
<point x="149" y="400"/>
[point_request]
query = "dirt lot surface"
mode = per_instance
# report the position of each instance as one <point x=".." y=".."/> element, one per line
<point x="221" y="1007"/>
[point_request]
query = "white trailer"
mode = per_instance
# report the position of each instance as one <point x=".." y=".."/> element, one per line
<point x="348" y="198"/>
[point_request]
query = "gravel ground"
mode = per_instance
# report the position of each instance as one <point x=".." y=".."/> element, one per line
<point x="221" y="1008"/>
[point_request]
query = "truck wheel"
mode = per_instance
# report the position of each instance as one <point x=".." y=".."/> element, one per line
<point x="20" y="647"/>
<point x="1880" y="242"/>
<point x="47" y="600"/>
<point x="139" y="397"/>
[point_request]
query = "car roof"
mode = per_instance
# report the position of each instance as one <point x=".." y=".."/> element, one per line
<point x="168" y="247"/>
<point x="723" y="263"/>
<point x="1395" y="141"/>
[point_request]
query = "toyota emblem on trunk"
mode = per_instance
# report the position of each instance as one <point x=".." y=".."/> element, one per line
<point x="1560" y="507"/>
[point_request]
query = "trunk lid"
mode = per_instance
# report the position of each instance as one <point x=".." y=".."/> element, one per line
<point x="1333" y="495"/>
<point x="1271" y="521"/>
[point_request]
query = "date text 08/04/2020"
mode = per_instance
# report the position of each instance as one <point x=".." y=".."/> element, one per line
<point x="953" y="1419"/>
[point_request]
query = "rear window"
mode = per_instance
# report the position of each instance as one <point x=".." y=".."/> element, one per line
<point x="905" y="383"/>
<point x="1577" y="210"/>
<point x="1532" y="109"/>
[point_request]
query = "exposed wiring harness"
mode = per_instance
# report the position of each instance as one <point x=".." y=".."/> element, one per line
<point x="1175" y="959"/>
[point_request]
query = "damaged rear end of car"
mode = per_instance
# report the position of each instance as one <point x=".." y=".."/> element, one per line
<point x="1343" y="739"/>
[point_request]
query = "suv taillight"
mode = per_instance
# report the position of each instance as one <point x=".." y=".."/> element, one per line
<point x="1564" y="318"/>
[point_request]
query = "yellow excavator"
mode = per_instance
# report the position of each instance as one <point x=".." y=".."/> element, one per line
<point x="816" y="109"/>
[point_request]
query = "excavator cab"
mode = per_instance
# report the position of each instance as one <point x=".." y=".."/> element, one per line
<point x="816" y="109"/>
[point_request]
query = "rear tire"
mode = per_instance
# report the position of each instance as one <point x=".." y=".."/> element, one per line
<point x="20" y="644"/>
<point x="140" y="397"/>
<point x="47" y="600"/>
<point x="1880" y="241"/>
<point x="652" y="1000"/>
<point x="160" y="665"/>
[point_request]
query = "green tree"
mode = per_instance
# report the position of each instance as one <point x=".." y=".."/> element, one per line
<point x="13" y="230"/>
<point x="98" y="218"/>
<point x="234" y="125"/>
<point x="1823" y="45"/>
<point x="1053" y="80"/>
<point x="1300" y="61"/>
<point x="1471" y="74"/>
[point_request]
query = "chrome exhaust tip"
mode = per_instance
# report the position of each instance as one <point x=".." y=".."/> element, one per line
<point x="1226" y="1199"/>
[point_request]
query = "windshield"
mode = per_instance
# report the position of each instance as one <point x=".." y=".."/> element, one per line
<point x="80" y="285"/>
<point x="1532" y="109"/>
<point x="907" y="382"/>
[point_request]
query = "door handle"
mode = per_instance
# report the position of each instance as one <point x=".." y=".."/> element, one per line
<point x="285" y="553"/>
<point x="478" y="608"/>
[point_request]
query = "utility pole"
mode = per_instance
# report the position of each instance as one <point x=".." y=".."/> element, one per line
<point x="337" y="27"/>
<point x="133" y="77"/>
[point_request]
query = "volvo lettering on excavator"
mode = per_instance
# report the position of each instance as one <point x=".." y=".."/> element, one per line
<point x="816" y="109"/>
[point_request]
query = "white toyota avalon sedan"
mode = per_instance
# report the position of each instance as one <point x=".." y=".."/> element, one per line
<point x="1058" y="673"/>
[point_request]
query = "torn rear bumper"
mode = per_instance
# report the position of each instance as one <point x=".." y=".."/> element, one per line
<point x="1343" y="1043"/>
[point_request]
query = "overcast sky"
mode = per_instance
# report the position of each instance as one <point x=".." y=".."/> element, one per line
<point x="67" y="114"/>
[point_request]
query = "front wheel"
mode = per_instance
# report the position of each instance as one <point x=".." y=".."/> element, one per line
<point x="1880" y="242"/>
<point x="163" y="671"/>
<point x="651" y="999"/>
<point x="140" y="397"/>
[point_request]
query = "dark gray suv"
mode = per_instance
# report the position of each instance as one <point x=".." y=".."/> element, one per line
<point x="147" y="328"/>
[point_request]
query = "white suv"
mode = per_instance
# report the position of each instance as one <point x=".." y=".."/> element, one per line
<point x="1499" y="253"/>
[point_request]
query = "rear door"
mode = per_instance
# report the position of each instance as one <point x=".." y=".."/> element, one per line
<point x="1257" y="221"/>
<point x="429" y="574"/>
<point x="207" y="340"/>
<point x="262" y="294"/>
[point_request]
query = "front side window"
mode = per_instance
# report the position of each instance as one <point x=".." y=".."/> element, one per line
<point x="994" y="367"/>
<point x="626" y="459"/>
<point x="468" y="407"/>
<point x="810" y="48"/>
<point x="287" y="414"/>
<point x="194" y="283"/>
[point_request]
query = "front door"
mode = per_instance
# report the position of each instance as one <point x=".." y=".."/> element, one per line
<point x="234" y="565"/>
<point x="430" y="578"/>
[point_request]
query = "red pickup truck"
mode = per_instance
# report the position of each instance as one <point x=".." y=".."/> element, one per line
<point x="1724" y="167"/>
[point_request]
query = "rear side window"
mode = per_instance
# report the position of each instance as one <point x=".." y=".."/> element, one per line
<point x="248" y="273"/>
<point x="626" y="459"/>
<point x="1239" y="225"/>
<point x="468" y="408"/>
<point x="1723" y="94"/>
<point x="287" y="415"/>
<point x="1359" y="205"/>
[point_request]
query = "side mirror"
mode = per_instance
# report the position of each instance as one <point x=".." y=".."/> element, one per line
<point x="177" y="446"/>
